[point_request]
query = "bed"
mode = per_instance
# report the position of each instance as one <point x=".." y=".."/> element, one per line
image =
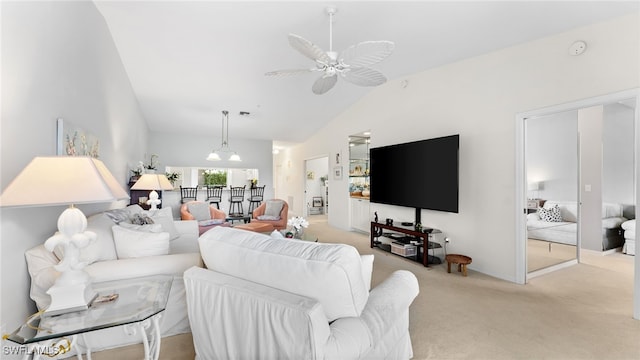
<point x="556" y="222"/>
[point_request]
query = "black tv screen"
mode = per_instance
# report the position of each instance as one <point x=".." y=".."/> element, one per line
<point x="420" y="174"/>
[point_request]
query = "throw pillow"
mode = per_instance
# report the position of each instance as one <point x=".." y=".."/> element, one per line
<point x="118" y="215"/>
<point x="164" y="217"/>
<point x="154" y="228"/>
<point x="273" y="208"/>
<point x="550" y="214"/>
<point x="133" y="244"/>
<point x="141" y="219"/>
<point x="268" y="217"/>
<point x="199" y="210"/>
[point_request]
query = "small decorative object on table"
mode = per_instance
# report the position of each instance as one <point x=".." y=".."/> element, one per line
<point x="297" y="223"/>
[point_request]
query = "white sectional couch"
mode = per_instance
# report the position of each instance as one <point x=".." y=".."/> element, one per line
<point x="629" y="237"/>
<point x="268" y="298"/>
<point x="565" y="231"/>
<point x="106" y="257"/>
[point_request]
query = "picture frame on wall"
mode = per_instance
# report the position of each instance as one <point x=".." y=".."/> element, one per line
<point x="337" y="173"/>
<point x="72" y="140"/>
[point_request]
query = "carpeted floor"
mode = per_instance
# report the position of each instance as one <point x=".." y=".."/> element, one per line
<point x="581" y="312"/>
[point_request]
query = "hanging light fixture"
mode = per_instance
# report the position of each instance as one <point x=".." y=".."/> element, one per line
<point x="224" y="148"/>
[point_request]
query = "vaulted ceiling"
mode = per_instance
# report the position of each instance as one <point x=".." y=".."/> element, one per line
<point x="189" y="60"/>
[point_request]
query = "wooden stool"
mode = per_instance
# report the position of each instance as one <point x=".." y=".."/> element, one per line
<point x="461" y="260"/>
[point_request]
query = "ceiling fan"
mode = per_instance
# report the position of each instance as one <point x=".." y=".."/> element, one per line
<point x="352" y="64"/>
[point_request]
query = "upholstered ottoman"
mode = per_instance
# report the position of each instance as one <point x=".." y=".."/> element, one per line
<point x="256" y="226"/>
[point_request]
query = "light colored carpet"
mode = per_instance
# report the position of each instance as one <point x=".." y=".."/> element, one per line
<point x="582" y="312"/>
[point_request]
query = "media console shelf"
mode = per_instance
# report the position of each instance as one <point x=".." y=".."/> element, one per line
<point x="422" y="237"/>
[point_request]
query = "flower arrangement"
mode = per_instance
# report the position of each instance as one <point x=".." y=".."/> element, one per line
<point x="298" y="222"/>
<point x="153" y="163"/>
<point x="172" y="177"/>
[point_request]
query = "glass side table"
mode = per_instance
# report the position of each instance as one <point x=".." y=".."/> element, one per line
<point x="137" y="308"/>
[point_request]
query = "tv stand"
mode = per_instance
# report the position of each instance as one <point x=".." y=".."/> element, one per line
<point x="422" y="253"/>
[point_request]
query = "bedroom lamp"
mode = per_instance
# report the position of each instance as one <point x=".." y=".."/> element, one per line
<point x="153" y="182"/>
<point x="66" y="180"/>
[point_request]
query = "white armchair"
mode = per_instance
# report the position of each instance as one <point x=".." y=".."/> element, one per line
<point x="271" y="298"/>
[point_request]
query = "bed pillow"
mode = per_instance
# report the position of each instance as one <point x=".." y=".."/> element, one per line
<point x="133" y="244"/>
<point x="551" y="214"/>
<point x="273" y="208"/>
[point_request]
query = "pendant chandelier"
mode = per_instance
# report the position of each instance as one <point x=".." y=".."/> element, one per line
<point x="224" y="148"/>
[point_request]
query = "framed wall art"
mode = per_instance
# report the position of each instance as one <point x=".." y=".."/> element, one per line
<point x="72" y="140"/>
<point x="337" y="173"/>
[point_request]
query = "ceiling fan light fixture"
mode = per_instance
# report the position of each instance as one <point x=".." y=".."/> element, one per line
<point x="353" y="64"/>
<point x="234" y="157"/>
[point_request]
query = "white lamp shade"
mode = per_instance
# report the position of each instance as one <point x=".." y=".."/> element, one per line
<point x="213" y="156"/>
<point x="152" y="182"/>
<point x="62" y="180"/>
<point x="234" y="157"/>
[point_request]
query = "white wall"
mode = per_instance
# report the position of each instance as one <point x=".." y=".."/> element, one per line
<point x="58" y="60"/>
<point x="618" y="154"/>
<point x="191" y="151"/>
<point x="552" y="156"/>
<point x="478" y="98"/>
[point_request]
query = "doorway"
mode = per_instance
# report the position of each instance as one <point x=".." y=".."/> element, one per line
<point x="552" y="168"/>
<point x="316" y="189"/>
<point x="587" y="182"/>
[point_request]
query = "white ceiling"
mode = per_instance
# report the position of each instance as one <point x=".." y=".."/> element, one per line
<point x="188" y="61"/>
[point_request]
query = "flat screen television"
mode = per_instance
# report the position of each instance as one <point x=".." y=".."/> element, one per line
<point x="421" y="174"/>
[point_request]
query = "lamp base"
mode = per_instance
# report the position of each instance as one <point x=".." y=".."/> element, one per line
<point x="69" y="298"/>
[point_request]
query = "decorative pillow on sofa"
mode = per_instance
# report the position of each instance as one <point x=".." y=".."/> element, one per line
<point x="268" y="217"/>
<point x="141" y="219"/>
<point x="154" y="228"/>
<point x="164" y="217"/>
<point x="551" y="214"/>
<point x="273" y="208"/>
<point x="118" y="215"/>
<point x="199" y="210"/>
<point x="132" y="244"/>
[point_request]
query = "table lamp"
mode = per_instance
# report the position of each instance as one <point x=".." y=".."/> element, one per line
<point x="153" y="182"/>
<point x="65" y="180"/>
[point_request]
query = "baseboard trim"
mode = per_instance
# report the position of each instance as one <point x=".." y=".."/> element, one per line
<point x="550" y="269"/>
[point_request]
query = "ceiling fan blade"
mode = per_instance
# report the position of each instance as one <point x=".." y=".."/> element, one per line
<point x="287" y="72"/>
<point x="308" y="49"/>
<point x="364" y="76"/>
<point x="324" y="84"/>
<point x="367" y="53"/>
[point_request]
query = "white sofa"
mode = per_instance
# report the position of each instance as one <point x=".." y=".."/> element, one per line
<point x="107" y="263"/>
<point x="263" y="297"/>
<point x="565" y="231"/>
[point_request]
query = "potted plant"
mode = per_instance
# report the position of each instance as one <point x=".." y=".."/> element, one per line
<point x="172" y="177"/>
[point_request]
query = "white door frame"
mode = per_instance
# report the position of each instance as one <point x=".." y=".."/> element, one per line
<point x="520" y="171"/>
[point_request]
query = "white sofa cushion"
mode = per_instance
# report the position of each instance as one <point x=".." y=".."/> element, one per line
<point x="199" y="210"/>
<point x="132" y="244"/>
<point x="330" y="273"/>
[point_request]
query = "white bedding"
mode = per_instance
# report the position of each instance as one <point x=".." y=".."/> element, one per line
<point x="558" y="232"/>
